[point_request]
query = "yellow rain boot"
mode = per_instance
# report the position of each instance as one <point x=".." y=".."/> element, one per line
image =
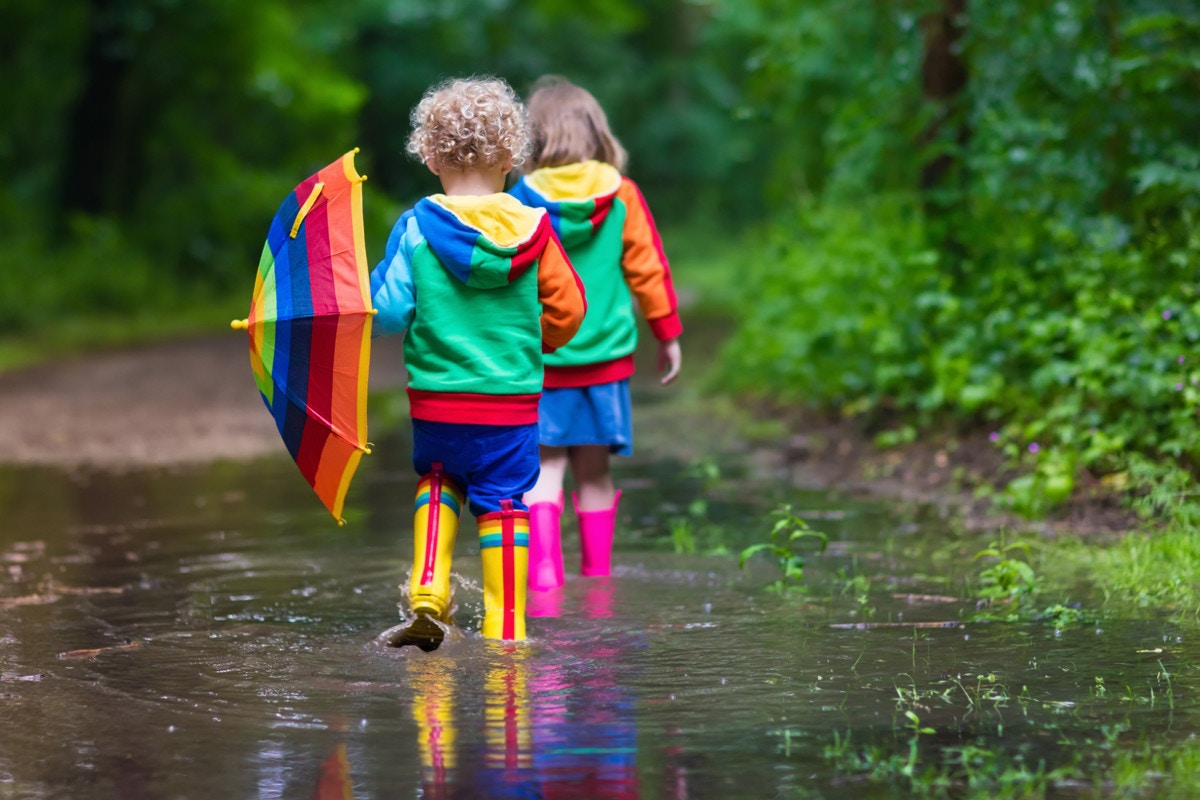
<point x="435" y="525"/>
<point x="504" y="547"/>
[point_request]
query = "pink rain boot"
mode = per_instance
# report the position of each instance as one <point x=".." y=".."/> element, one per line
<point x="545" y="546"/>
<point x="596" y="537"/>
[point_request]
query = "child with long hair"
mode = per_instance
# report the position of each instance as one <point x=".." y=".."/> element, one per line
<point x="481" y="289"/>
<point x="606" y="228"/>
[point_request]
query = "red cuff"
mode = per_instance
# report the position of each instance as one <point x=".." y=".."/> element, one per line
<point x="666" y="328"/>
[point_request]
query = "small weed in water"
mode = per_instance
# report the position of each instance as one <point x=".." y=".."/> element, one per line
<point x="856" y="584"/>
<point x="1009" y="588"/>
<point x="1010" y="579"/>
<point x="788" y="529"/>
<point x="692" y="532"/>
<point x="683" y="536"/>
<point x="1008" y="584"/>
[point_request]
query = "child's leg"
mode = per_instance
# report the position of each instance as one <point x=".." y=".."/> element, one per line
<point x="435" y="526"/>
<point x="553" y="469"/>
<point x="545" y="503"/>
<point x="438" y="459"/>
<point x="506" y="469"/>
<point x="593" y="478"/>
<point x="504" y="548"/>
<point x="596" y="507"/>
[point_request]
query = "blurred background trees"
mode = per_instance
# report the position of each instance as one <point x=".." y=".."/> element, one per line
<point x="930" y="210"/>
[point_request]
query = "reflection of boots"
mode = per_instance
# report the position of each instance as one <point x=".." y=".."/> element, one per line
<point x="545" y="604"/>
<point x="504" y="547"/>
<point x="507" y="718"/>
<point x="596" y="537"/>
<point x="545" y="546"/>
<point x="335" y="782"/>
<point x="597" y="600"/>
<point x="433" y="685"/>
<point x="439" y="504"/>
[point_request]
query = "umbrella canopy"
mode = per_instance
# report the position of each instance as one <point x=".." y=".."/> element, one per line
<point x="310" y="328"/>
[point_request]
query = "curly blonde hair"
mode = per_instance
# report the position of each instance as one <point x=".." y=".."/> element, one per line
<point x="470" y="122"/>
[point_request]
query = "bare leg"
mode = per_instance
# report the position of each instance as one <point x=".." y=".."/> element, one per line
<point x="593" y="480"/>
<point x="550" y="481"/>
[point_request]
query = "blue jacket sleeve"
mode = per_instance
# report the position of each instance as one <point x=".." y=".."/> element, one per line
<point x="392" y="291"/>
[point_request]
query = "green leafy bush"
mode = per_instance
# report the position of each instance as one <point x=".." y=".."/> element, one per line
<point x="1046" y="288"/>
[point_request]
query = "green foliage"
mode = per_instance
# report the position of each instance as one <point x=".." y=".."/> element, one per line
<point x="1009" y="589"/>
<point x="834" y="310"/>
<point x="1008" y="580"/>
<point x="1158" y="569"/>
<point x="177" y="128"/>
<point x="788" y="530"/>
<point x="1049" y="292"/>
<point x="667" y="72"/>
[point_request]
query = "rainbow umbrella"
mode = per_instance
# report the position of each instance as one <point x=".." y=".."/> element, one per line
<point x="310" y="328"/>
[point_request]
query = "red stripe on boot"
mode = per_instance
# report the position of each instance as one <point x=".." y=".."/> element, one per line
<point x="432" y="524"/>
<point x="508" y="546"/>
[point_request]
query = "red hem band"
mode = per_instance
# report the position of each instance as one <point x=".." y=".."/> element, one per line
<point x="589" y="374"/>
<point x="475" y="409"/>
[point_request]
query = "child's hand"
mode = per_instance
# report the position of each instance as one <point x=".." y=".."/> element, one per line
<point x="669" y="359"/>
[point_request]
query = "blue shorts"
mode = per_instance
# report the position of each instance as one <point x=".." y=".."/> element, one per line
<point x="600" y="414"/>
<point x="490" y="463"/>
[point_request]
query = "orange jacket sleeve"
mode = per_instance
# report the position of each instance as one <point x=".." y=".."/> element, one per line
<point x="561" y="294"/>
<point x="645" y="265"/>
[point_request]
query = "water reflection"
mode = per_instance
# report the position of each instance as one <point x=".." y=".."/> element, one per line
<point x="433" y="708"/>
<point x="185" y="642"/>
<point x="335" y="782"/>
<point x="556" y="720"/>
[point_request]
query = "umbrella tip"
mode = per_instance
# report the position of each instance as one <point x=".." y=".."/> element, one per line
<point x="239" y="324"/>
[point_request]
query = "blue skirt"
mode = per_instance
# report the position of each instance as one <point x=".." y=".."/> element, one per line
<point x="600" y="414"/>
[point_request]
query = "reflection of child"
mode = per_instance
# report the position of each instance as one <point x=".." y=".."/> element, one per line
<point x="480" y="287"/>
<point x="606" y="228"/>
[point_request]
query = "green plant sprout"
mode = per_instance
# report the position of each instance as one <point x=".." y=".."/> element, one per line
<point x="1010" y="580"/>
<point x="788" y="529"/>
<point x="692" y="531"/>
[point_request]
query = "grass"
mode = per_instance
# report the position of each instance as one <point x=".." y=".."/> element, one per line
<point x="1144" y="569"/>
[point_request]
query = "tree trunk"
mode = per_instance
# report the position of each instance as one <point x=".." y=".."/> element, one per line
<point x="91" y="146"/>
<point x="943" y="85"/>
<point x="943" y="79"/>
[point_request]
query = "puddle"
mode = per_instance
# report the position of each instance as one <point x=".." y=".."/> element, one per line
<point x="208" y="632"/>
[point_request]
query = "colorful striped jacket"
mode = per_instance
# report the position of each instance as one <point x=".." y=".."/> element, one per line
<point x="605" y="226"/>
<point x="481" y="288"/>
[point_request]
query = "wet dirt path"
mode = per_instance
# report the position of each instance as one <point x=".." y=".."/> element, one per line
<point x="189" y="401"/>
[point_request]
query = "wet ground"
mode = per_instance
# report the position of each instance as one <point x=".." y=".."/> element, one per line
<point x="206" y="631"/>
